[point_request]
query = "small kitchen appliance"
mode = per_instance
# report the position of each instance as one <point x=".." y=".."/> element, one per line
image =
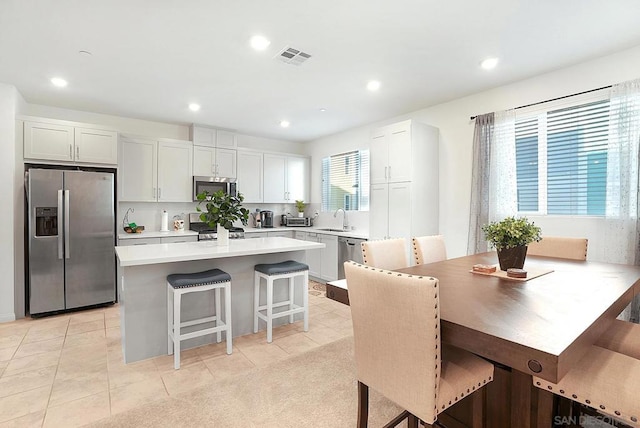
<point x="206" y="233"/>
<point x="212" y="184"/>
<point x="296" y="221"/>
<point x="266" y="218"/>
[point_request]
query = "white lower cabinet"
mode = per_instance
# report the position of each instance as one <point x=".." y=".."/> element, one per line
<point x="329" y="256"/>
<point x="161" y="240"/>
<point x="178" y="239"/>
<point x="314" y="257"/>
<point x="254" y="235"/>
<point x="281" y="233"/>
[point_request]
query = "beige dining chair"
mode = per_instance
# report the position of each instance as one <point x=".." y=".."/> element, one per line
<point x="559" y="247"/>
<point x="429" y="249"/>
<point x="396" y="330"/>
<point x="622" y="337"/>
<point x="388" y="254"/>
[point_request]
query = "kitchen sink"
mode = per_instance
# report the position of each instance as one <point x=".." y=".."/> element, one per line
<point x="331" y="230"/>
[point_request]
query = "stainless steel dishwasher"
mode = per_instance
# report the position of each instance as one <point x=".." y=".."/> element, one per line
<point x="348" y="249"/>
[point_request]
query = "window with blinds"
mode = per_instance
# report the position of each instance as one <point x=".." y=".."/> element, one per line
<point x="345" y="181"/>
<point x="561" y="160"/>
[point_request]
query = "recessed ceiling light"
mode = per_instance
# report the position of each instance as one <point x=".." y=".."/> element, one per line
<point x="194" y="107"/>
<point x="373" y="85"/>
<point x="284" y="123"/>
<point x="259" y="43"/>
<point x="323" y="110"/>
<point x="59" y="82"/>
<point x="489" y="63"/>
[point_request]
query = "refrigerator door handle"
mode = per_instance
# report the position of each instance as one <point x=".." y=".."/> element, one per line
<point x="66" y="224"/>
<point x="59" y="224"/>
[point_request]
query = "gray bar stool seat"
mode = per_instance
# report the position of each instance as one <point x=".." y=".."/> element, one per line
<point x="271" y="272"/>
<point x="179" y="284"/>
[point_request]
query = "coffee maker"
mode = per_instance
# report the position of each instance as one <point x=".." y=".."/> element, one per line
<point x="266" y="218"/>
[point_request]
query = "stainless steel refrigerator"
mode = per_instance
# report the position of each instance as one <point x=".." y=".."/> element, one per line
<point x="71" y="234"/>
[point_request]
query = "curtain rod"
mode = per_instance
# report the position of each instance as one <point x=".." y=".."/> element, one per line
<point x="559" y="98"/>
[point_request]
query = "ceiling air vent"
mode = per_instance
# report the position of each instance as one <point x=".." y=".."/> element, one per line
<point x="293" y="56"/>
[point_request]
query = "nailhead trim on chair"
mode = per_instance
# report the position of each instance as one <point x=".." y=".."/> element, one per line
<point x="587" y="401"/>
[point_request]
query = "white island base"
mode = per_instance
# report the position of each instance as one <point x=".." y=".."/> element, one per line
<point x="142" y="287"/>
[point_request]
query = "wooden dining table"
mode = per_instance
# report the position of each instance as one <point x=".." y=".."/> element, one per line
<point x="541" y="326"/>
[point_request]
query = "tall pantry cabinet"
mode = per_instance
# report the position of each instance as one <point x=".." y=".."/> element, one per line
<point x="404" y="181"/>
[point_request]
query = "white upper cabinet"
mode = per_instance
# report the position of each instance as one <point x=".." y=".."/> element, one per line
<point x="250" y="176"/>
<point x="215" y="152"/>
<point x="66" y="143"/>
<point x="391" y="148"/>
<point x="152" y="171"/>
<point x="285" y="178"/>
<point x="96" y="146"/>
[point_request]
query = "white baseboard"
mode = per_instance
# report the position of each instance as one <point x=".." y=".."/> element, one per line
<point x="7" y="317"/>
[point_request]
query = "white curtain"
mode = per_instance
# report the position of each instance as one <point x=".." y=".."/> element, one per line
<point x="503" y="182"/>
<point x="622" y="231"/>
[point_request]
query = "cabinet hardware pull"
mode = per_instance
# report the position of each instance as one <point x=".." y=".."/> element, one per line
<point x="78" y="152"/>
<point x="385" y="172"/>
<point x="70" y="151"/>
<point x="389" y="172"/>
<point x="67" y="249"/>
<point x="159" y="192"/>
<point x="154" y="194"/>
<point x="60" y="206"/>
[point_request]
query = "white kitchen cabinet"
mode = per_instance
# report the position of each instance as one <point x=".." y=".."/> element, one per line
<point x="226" y="139"/>
<point x="66" y="143"/>
<point x="391" y="150"/>
<point x="329" y="257"/>
<point x="211" y="137"/>
<point x="250" y="176"/>
<point x="161" y="240"/>
<point x="404" y="204"/>
<point x="152" y="171"/>
<point x="285" y="178"/>
<point x="214" y="162"/>
<point x="254" y="235"/>
<point x="281" y="233"/>
<point x="138" y="241"/>
<point x="178" y="239"/>
<point x="314" y="257"/>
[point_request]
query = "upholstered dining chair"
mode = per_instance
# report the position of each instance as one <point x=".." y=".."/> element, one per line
<point x="396" y="330"/>
<point x="385" y="254"/>
<point x="560" y="247"/>
<point x="429" y="249"/>
<point x="622" y="337"/>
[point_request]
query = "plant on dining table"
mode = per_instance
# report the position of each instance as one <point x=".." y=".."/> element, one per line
<point x="511" y="232"/>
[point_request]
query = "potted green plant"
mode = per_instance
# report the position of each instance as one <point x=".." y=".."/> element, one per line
<point x="221" y="210"/>
<point x="510" y="238"/>
<point x="300" y="205"/>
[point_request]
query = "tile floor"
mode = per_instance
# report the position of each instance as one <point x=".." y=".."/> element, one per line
<point x="68" y="370"/>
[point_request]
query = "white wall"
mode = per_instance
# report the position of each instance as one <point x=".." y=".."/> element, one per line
<point x="8" y="106"/>
<point x="456" y="134"/>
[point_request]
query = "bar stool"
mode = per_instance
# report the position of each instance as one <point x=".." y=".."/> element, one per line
<point x="272" y="272"/>
<point x="183" y="283"/>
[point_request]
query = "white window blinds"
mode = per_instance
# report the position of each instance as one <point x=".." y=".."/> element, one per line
<point x="345" y="181"/>
<point x="561" y="160"/>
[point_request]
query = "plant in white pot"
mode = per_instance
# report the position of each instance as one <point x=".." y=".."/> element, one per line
<point x="510" y="238"/>
<point x="300" y="205"/>
<point x="221" y="211"/>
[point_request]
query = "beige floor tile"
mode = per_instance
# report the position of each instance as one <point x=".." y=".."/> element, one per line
<point x="26" y="381"/>
<point x="32" y="420"/>
<point x="87" y="316"/>
<point x="47" y="323"/>
<point x="112" y="311"/>
<point x="329" y="319"/>
<point x="48" y="334"/>
<point x="65" y="390"/>
<point x="121" y="374"/>
<point x="12" y="341"/>
<point x="90" y="351"/>
<point x="13" y="328"/>
<point x="33" y="362"/>
<point x="296" y="343"/>
<point x="18" y="405"/>
<point x="112" y="322"/>
<point x="74" y="369"/>
<point x="136" y="394"/>
<point x="3" y="365"/>
<point x="86" y="326"/>
<point x="228" y="365"/>
<point x="114" y="355"/>
<point x="87" y="338"/>
<point x="187" y="378"/>
<point x="114" y="336"/>
<point x="323" y="335"/>
<point x="250" y="339"/>
<point x="187" y="358"/>
<point x="285" y="330"/>
<point x="7" y="353"/>
<point x="27" y="349"/>
<point x="79" y="412"/>
<point x="214" y="350"/>
<point x="317" y="309"/>
<point x="264" y="354"/>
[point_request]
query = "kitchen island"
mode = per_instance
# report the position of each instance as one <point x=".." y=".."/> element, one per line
<point x="142" y="286"/>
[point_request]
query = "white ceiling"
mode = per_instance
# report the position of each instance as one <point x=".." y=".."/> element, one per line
<point x="151" y="58"/>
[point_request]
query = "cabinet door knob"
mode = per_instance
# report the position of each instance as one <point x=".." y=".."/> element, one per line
<point x="78" y="152"/>
<point x="70" y="152"/>
<point x="385" y="172"/>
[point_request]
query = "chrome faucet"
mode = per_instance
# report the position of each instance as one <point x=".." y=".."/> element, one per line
<point x="345" y="220"/>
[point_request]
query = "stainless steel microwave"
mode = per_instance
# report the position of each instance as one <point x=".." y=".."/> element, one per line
<point x="212" y="185"/>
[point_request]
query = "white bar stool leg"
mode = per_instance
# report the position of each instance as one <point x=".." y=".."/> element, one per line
<point x="177" y="297"/>
<point x="269" y="309"/>
<point x="169" y="320"/>
<point x="227" y="316"/>
<point x="305" y="299"/>
<point x="218" y="319"/>
<point x="256" y="300"/>
<point x="291" y="296"/>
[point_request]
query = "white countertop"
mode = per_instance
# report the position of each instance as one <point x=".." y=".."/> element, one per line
<point x="155" y="234"/>
<point x="187" y="251"/>
<point x="347" y="233"/>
